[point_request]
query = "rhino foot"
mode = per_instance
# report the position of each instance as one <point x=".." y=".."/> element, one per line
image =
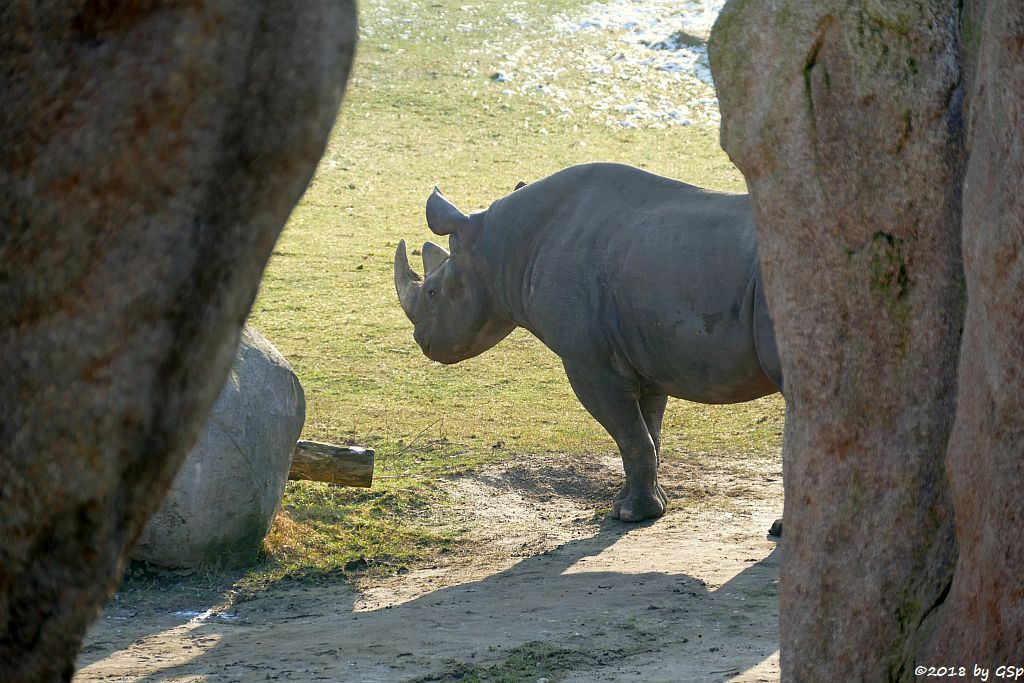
<point x="636" y="503"/>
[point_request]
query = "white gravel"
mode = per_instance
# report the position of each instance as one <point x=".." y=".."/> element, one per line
<point x="624" y="64"/>
<point x="643" y="64"/>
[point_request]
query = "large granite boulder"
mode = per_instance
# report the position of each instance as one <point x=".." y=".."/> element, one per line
<point x="223" y="500"/>
<point x="152" y="152"/>
<point x="876" y="139"/>
<point x="982" y="620"/>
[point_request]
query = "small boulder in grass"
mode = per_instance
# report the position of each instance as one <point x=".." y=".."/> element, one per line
<point x="224" y="498"/>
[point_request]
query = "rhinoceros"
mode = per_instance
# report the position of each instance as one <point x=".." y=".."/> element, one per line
<point x="644" y="286"/>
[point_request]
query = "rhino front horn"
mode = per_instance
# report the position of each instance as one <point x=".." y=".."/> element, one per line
<point x="407" y="282"/>
<point x="443" y="217"/>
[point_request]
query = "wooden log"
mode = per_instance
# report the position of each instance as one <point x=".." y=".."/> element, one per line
<point x="340" y="465"/>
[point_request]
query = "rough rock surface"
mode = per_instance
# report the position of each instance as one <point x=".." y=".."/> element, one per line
<point x="224" y="497"/>
<point x="845" y="118"/>
<point x="874" y="139"/>
<point x="151" y="154"/>
<point x="983" y="617"/>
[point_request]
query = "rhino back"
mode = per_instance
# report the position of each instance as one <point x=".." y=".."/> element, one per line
<point x="609" y="264"/>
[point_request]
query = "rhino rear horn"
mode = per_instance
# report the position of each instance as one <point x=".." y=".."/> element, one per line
<point x="433" y="256"/>
<point x="520" y="185"/>
<point x="443" y="217"/>
<point x="407" y="282"/>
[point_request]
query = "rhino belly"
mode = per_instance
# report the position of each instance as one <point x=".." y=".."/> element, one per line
<point x="691" y="363"/>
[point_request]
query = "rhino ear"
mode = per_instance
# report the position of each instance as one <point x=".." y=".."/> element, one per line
<point x="433" y="256"/>
<point x="443" y="217"/>
<point x="519" y="186"/>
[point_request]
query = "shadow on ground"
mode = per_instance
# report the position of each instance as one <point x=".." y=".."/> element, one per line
<point x="561" y="615"/>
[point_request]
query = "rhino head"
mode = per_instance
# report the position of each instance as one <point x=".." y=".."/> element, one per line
<point x="450" y="306"/>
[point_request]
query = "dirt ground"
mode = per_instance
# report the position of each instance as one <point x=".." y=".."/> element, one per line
<point x="549" y="590"/>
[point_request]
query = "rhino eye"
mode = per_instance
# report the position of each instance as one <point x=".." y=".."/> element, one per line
<point x="431" y="293"/>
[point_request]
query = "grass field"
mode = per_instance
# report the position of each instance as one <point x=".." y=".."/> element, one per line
<point x="424" y="107"/>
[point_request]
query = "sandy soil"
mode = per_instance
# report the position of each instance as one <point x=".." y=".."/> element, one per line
<point x="549" y="590"/>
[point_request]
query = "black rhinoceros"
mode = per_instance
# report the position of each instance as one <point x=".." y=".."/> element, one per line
<point x="644" y="286"/>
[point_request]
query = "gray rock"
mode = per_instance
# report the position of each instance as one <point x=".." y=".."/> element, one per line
<point x="224" y="497"/>
<point x="151" y="155"/>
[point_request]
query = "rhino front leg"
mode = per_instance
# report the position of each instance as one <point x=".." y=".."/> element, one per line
<point x="653" y="410"/>
<point x="607" y="398"/>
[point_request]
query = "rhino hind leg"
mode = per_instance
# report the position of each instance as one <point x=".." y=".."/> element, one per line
<point x="764" y="338"/>
<point x="607" y="398"/>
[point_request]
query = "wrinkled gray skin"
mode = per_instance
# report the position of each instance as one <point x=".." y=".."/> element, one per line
<point x="644" y="286"/>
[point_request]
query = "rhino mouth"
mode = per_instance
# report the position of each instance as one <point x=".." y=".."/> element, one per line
<point x="455" y="356"/>
<point x="424" y="346"/>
